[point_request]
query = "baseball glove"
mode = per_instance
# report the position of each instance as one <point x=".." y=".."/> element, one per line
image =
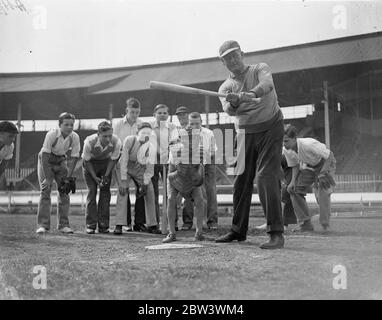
<point x="67" y="185"/>
<point x="325" y="180"/>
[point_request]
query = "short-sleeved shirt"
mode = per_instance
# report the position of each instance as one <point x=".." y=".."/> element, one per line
<point x="6" y="152"/>
<point x="309" y="152"/>
<point x="93" y="150"/>
<point x="123" y="129"/>
<point x="55" y="143"/>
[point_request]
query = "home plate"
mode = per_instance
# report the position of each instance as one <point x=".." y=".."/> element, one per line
<point x="174" y="246"/>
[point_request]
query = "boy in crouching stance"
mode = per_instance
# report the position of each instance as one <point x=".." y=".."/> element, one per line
<point x="100" y="154"/>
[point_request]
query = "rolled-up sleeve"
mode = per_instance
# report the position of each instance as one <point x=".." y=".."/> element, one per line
<point x="117" y="150"/>
<point x="76" y="148"/>
<point x="123" y="161"/>
<point x="86" y="152"/>
<point x="48" y="141"/>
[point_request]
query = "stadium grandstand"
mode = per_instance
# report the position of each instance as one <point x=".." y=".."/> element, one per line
<point x="331" y="90"/>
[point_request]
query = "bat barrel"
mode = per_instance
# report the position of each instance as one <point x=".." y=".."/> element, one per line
<point x="183" y="89"/>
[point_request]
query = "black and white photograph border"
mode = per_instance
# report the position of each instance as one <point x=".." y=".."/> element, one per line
<point x="190" y="151"/>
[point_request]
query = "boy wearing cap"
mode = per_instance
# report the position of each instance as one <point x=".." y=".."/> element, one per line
<point x="101" y="152"/>
<point x="313" y="164"/>
<point x="137" y="163"/>
<point x="128" y="126"/>
<point x="209" y="185"/>
<point x="165" y="132"/>
<point x="186" y="175"/>
<point x="251" y="98"/>
<point x="59" y="144"/>
<point x="8" y="133"/>
<point x="182" y="113"/>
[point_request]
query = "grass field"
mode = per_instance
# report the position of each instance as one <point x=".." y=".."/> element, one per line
<point x="81" y="266"/>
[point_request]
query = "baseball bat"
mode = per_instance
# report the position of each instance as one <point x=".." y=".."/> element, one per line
<point x="184" y="89"/>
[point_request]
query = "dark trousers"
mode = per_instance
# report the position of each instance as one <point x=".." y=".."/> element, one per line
<point x="262" y="153"/>
<point x="139" y="208"/>
<point x="188" y="212"/>
<point x="288" y="211"/>
<point x="158" y="170"/>
<point x="97" y="214"/>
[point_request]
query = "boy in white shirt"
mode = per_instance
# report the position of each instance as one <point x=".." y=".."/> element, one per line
<point x="59" y="144"/>
<point x="137" y="163"/>
<point x="125" y="127"/>
<point x="313" y="164"/>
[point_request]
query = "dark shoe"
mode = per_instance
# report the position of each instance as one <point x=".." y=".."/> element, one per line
<point x="199" y="237"/>
<point x="306" y="226"/>
<point x="103" y="230"/>
<point x="186" y="227"/>
<point x="230" y="236"/>
<point x="276" y="241"/>
<point x="140" y="228"/>
<point x="118" y="230"/>
<point x="212" y="226"/>
<point x="153" y="230"/>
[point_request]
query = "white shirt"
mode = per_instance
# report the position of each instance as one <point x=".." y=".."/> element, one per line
<point x="6" y="152"/>
<point x="209" y="143"/>
<point x="144" y="154"/>
<point x="165" y="133"/>
<point x="55" y="143"/>
<point x="123" y="129"/>
<point x="94" y="150"/>
<point x="309" y="152"/>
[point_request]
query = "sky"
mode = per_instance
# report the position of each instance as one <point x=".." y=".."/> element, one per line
<point x="63" y="35"/>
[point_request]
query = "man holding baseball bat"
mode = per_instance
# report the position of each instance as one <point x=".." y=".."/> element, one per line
<point x="252" y="99"/>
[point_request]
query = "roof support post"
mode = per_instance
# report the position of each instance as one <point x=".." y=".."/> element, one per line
<point x="326" y="114"/>
<point x="111" y="107"/>
<point x="18" y="138"/>
<point x="207" y="110"/>
<point x="371" y="102"/>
